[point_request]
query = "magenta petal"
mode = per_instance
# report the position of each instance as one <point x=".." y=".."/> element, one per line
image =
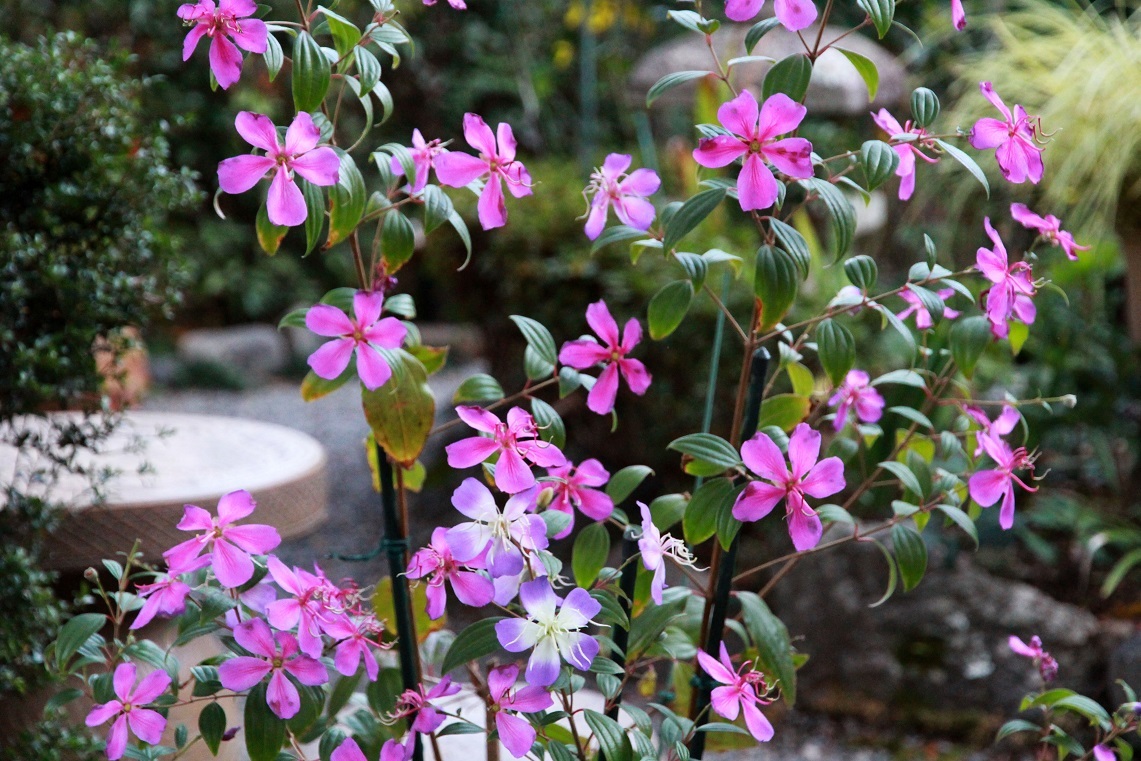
<point x="793" y="156"/>
<point x="372" y="367"/>
<point x="102" y="712"/>
<point x="512" y="474"/>
<point x="152" y="685"/>
<point x="1006" y="513"/>
<point x="500" y="680"/>
<point x="255" y="636"/>
<point x="456" y="170"/>
<point x="232" y="566"/>
<point x="478" y="418"/>
<point x="256" y="538"/>
<point x="285" y="203"/>
<point x="803" y="449"/>
<point x="388" y="333"/>
<point x="599" y="319"/>
<point x="468" y="540"/>
<point x="491" y="207"/>
<point x="474" y="500"/>
<point x="282" y="697"/>
<point x="635" y="374"/>
<point x="531" y="699"/>
<point x="350" y="751"/>
<point x="243" y="672"/>
<point x="719" y="151"/>
<point x="825" y="479"/>
<point x="328" y="321"/>
<point x="234" y="506"/>
<point x="1018" y="647"/>
<point x="251" y="35"/>
<point x="716" y="669"/>
<point x="595" y="504"/>
<point x="225" y="61"/>
<point x="472" y="589"/>
<point x="641" y="182"/>
<point x="795" y="15"/>
<point x="479" y="135"/>
<point x="596" y="220"/>
<point x="123" y="681"/>
<point x="779" y="115"/>
<point x="308" y="671"/>
<point x="516" y="733"/>
<point x="763" y="457"/>
<point x="332" y="358"/>
<point x="240" y="173"/>
<point x="601" y="398"/>
<point x="740" y="114"/>
<point x="193" y="37"/>
<point x="989" y="133"/>
<point x="194" y="518"/>
<point x="756" y="187"/>
<point x="582" y="354"/>
<point x="987" y="486"/>
<point x="367" y="306"/>
<point x="117" y="739"/>
<point x="726" y="701"/>
<point x="756" y="501"/>
<point x="759" y="726"/>
<point x="147" y="725"/>
<point x="635" y="212"/>
<point x="471" y="451"/>
<point x="803" y="524"/>
<point x="302" y="135"/>
<point x="743" y="10"/>
<point x="320" y="166"/>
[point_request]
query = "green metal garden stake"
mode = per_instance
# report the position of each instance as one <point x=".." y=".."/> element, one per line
<point x="757" y="371"/>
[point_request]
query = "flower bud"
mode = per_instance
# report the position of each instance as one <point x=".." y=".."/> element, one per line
<point x="91" y="575"/>
<point x="1069" y="401"/>
<point x="546" y="496"/>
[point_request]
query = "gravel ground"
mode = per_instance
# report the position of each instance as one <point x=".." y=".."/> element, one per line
<point x="354" y="527"/>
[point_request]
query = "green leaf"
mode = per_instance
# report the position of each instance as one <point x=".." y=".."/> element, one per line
<point x="368" y="69"/>
<point x="840" y="212"/>
<point x="862" y="270"/>
<point x="836" y="348"/>
<point x="775" y="284"/>
<point x="616" y="234"/>
<point x="274" y="56"/>
<point x="709" y="448"/>
<point x="794" y="243"/>
<point x="668" y="307"/>
<point x="924" y="106"/>
<point x="1119" y="571"/>
<point x="538" y="338"/>
<point x="759" y="30"/>
<point x="769" y="635"/>
<point x="967" y="162"/>
<point x="315" y="213"/>
<point x="265" y="733"/>
<point x="535" y="366"/>
<point x="478" y="388"/>
<point x="400" y="413"/>
<point x="727" y="525"/>
<point x="311" y="73"/>
<point x="963" y="521"/>
<point x="892" y="576"/>
<point x="803" y="382"/>
<point x="784" y="410"/>
<point x="1014" y="726"/>
<point x="402" y="305"/>
<point x="908" y="479"/>
<point x="693" y="21"/>
<point x="397" y="240"/>
<point x="557" y="521"/>
<point x="74" y="634"/>
<point x="835" y="514"/>
<point x="902" y="378"/>
<point x="667" y="510"/>
<point x="1086" y="707"/>
<point x="550" y="423"/>
<point x="881" y="12"/>
<point x="269" y="234"/>
<point x="695" y="267"/>
<point x="910" y="553"/>
<point x="867" y="71"/>
<point x="623" y="483"/>
<point x="700" y="520"/>
<point x="670" y="81"/>
<point x="930" y="300"/>
<point x="437" y="207"/>
<point x="969" y="338"/>
<point x="789" y="75"/>
<point x="472" y="643"/>
<point x="612" y="739"/>
<point x="690" y="215"/>
<point x="212" y="725"/>
<point x="880" y="162"/>
<point x="345" y="33"/>
<point x="348" y="198"/>
<point x="591" y="550"/>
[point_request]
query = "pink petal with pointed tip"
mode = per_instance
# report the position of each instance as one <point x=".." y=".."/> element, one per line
<point x="147" y="725"/>
<point x="635" y="374"/>
<point x="456" y="169"/>
<point x="328" y="321"/>
<point x="372" y="368"/>
<point x="740" y="114"/>
<point x="759" y="726"/>
<point x="252" y="35"/>
<point x="825" y="479"/>
<point x="756" y="501"/>
<point x="232" y="567"/>
<point x="516" y="733"/>
<point x="308" y="671"/>
<point x="388" y="333"/>
<point x="635" y="212"/>
<point x="302" y="135"/>
<point x="803" y="449"/>
<point x="282" y="697"/>
<point x="321" y="166"/>
<point x="478" y="134"/>
<point x="719" y="151"/>
<point x="804" y="524"/>
<point x="601" y="398"/>
<point x="512" y="474"/>
<point x="756" y="187"/>
<point x="193" y="37"/>
<point x="641" y="182"/>
<point x="234" y="506"/>
<point x="795" y="15"/>
<point x="780" y="114"/>
<point x="492" y="208"/>
<point x="762" y="456"/>
<point x="470" y="451"/>
<point x="332" y="358"/>
<point x="225" y="61"/>
<point x="243" y="672"/>
<point x="793" y="156"/>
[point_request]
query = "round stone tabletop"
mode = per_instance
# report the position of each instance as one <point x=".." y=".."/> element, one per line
<point x="164" y="461"/>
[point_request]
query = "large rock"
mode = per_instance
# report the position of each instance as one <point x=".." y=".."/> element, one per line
<point x="942" y="646"/>
<point x="836" y="89"/>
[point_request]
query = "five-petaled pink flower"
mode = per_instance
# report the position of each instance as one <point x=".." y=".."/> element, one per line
<point x="1049" y="227"/>
<point x="230" y="545"/>
<point x="738" y="693"/>
<point x="552" y="629"/>
<point x="793" y="15"/>
<point x="414" y="703"/>
<point x="515" y="732"/>
<point x="365" y="333"/>
<point x="655" y="548"/>
<point x="755" y="130"/>
<point x="167" y="594"/>
<point x="439" y="565"/>
<point x="498" y="537"/>
<point x="626" y="192"/>
<point x="577" y="487"/>
<point x="1047" y="665"/>
<point x="807" y="476"/>
<point x="357" y="639"/>
<point x="456" y="169"/>
<point x="997" y="428"/>
<point x="915" y="305"/>
<point x="127" y="711"/>
<point x="586" y="352"/>
<point x="226" y="21"/>
<point x="1019" y="157"/>
<point x="424" y="155"/>
<point x="517" y="442"/>
<point x="907" y="152"/>
<point x="298" y="154"/>
<point x="988" y="486"/>
<point x="1011" y="294"/>
<point x="271" y="655"/>
<point x="856" y="392"/>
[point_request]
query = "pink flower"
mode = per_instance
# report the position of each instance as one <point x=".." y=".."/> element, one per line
<point x="987" y="486"/>
<point x="923" y="319"/>
<point x="907" y="152"/>
<point x="573" y="489"/>
<point x="437" y="562"/>
<point x="612" y="352"/>
<point x="222" y="23"/>
<point x="552" y="629"/>
<point x="423" y="157"/>
<point x="230" y="545"/>
<point x="1013" y="289"/>
<point x="516" y="732"/>
<point x="392" y="750"/>
<point x="414" y="703"/>
<point x="167" y="594"/>
<point x="127" y="711"/>
<point x="807" y="476"/>
<point x="499" y="538"/>
<point x="738" y="693"/>
<point x="459" y="5"/>
<point x="1019" y="157"/>
<point x="792" y="14"/>
<point x="299" y="154"/>
<point x="1103" y="753"/>
<point x="271" y="655"/>
<point x="364" y="334"/>
<point x="310" y="607"/>
<point x="999" y="427"/>
<point x="517" y="443"/>
<point x="1047" y="666"/>
<point x="754" y="136"/>
<point x="456" y="169"/>
<point x="958" y="15"/>
<point x="357" y="641"/>
<point x="627" y="193"/>
<point x="1049" y="227"/>
<point x="655" y="548"/>
<point x="856" y="392"/>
